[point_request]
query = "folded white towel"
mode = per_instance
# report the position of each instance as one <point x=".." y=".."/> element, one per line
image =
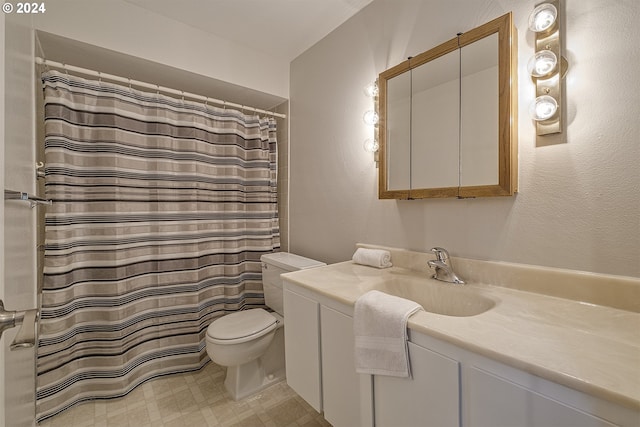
<point x="373" y="257"/>
<point x="380" y="327"/>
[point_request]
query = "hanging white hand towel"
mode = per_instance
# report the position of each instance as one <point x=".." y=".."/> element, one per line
<point x="380" y="327"/>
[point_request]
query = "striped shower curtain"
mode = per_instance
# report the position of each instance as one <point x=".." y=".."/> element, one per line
<point x="162" y="209"/>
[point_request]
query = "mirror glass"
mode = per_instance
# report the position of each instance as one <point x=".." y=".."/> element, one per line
<point x="479" y="112"/>
<point x="435" y="106"/>
<point x="447" y="118"/>
<point x="399" y="131"/>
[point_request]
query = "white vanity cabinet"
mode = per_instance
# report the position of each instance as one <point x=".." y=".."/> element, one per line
<point x="302" y="347"/>
<point x="494" y="401"/>
<point x="347" y="395"/>
<point x="319" y="350"/>
<point x="451" y="386"/>
<point x="493" y="394"/>
<point x="431" y="397"/>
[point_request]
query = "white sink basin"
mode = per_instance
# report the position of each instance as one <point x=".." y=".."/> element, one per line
<point x="437" y="297"/>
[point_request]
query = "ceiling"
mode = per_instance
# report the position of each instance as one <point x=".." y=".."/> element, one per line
<point x="281" y="28"/>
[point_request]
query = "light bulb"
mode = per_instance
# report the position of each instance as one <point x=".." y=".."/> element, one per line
<point x="543" y="17"/>
<point x="543" y="108"/>
<point x="371" y="90"/>
<point x="542" y="63"/>
<point x="371" y="145"/>
<point x="370" y="117"/>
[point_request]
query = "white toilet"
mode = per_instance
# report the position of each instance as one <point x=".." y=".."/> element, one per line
<point x="250" y="343"/>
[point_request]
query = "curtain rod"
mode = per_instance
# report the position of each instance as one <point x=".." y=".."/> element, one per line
<point x="94" y="73"/>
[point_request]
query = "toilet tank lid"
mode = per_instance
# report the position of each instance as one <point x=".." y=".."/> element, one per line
<point x="290" y="262"/>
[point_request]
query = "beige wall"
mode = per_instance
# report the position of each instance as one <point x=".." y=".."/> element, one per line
<point x="18" y="281"/>
<point x="579" y="200"/>
<point x="124" y="27"/>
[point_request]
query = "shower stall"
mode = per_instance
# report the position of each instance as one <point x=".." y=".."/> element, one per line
<point x="161" y="210"/>
<point x="155" y="207"/>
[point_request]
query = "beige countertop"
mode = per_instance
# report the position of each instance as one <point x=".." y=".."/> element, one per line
<point x="588" y="347"/>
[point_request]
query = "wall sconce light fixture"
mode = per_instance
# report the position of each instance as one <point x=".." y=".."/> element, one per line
<point x="371" y="90"/>
<point x="371" y="118"/>
<point x="547" y="68"/>
<point x="543" y="17"/>
<point x="371" y="145"/>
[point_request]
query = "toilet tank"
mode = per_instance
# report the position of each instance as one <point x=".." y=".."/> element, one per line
<point x="273" y="265"/>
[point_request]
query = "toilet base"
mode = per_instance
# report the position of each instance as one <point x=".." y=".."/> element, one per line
<point x="245" y="380"/>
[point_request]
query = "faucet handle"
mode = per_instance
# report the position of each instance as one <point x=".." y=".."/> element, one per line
<point x="441" y="253"/>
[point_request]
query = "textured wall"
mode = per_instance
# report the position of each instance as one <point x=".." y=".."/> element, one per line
<point x="579" y="200"/>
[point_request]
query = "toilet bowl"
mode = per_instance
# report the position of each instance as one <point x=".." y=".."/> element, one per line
<point x="238" y="341"/>
<point x="241" y="337"/>
<point x="250" y="343"/>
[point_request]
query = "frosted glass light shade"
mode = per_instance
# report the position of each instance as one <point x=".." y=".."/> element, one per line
<point x="543" y="108"/>
<point x="542" y="63"/>
<point x="371" y="145"/>
<point x="371" y="90"/>
<point x="543" y="17"/>
<point x="371" y="118"/>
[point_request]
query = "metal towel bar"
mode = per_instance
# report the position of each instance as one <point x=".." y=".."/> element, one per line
<point x="26" y="336"/>
<point x="20" y="195"/>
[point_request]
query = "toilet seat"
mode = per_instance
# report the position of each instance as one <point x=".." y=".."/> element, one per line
<point x="242" y="326"/>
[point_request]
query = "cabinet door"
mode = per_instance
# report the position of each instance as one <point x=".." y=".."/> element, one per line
<point x="430" y="398"/>
<point x="346" y="394"/>
<point x="302" y="347"/>
<point x="497" y="402"/>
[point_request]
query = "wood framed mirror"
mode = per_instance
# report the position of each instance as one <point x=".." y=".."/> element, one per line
<point x="448" y="118"/>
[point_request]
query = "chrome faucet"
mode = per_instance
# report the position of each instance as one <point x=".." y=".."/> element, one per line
<point x="442" y="265"/>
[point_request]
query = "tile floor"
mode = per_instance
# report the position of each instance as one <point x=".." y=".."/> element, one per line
<point x="196" y="399"/>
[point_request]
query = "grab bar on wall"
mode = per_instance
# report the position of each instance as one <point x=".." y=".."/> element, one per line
<point x="20" y="195"/>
